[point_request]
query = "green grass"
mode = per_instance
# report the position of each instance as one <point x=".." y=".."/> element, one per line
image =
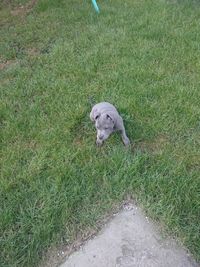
<point x="143" y="56"/>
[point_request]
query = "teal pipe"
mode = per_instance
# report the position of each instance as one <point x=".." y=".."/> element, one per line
<point x="95" y="6"/>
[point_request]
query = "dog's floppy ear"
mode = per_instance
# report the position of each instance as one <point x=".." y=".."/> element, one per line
<point x="96" y="115"/>
<point x="111" y="116"/>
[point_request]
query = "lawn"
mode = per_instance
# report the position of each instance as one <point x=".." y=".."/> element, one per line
<point x="56" y="58"/>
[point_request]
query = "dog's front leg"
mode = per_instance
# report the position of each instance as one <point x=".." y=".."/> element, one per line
<point x="99" y="142"/>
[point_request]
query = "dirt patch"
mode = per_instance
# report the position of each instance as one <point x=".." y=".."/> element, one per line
<point x="6" y="64"/>
<point x="154" y="146"/>
<point x="22" y="10"/>
<point x="33" y="51"/>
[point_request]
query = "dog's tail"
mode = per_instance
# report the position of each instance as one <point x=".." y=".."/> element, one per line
<point x="91" y="100"/>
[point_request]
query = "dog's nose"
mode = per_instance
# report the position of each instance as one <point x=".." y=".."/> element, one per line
<point x="100" y="137"/>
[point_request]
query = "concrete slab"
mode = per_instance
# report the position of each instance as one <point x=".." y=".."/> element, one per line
<point x="130" y="240"/>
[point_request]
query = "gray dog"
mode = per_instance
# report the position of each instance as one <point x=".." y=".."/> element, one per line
<point x="107" y="120"/>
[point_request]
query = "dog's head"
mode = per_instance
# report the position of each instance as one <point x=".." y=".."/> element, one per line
<point x="104" y="124"/>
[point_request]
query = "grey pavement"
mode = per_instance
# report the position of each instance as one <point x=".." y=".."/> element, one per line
<point x="130" y="240"/>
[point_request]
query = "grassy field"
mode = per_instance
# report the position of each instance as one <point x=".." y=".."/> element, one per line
<point x="143" y="56"/>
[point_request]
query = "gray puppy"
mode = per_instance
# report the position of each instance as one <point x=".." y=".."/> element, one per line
<point x="107" y="120"/>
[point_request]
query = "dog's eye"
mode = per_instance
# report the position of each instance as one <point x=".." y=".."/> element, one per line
<point x="106" y="128"/>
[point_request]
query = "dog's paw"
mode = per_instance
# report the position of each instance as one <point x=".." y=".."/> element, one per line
<point x="99" y="142"/>
<point x="126" y="141"/>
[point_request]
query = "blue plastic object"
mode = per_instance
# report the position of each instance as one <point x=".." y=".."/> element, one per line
<point x="95" y="6"/>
